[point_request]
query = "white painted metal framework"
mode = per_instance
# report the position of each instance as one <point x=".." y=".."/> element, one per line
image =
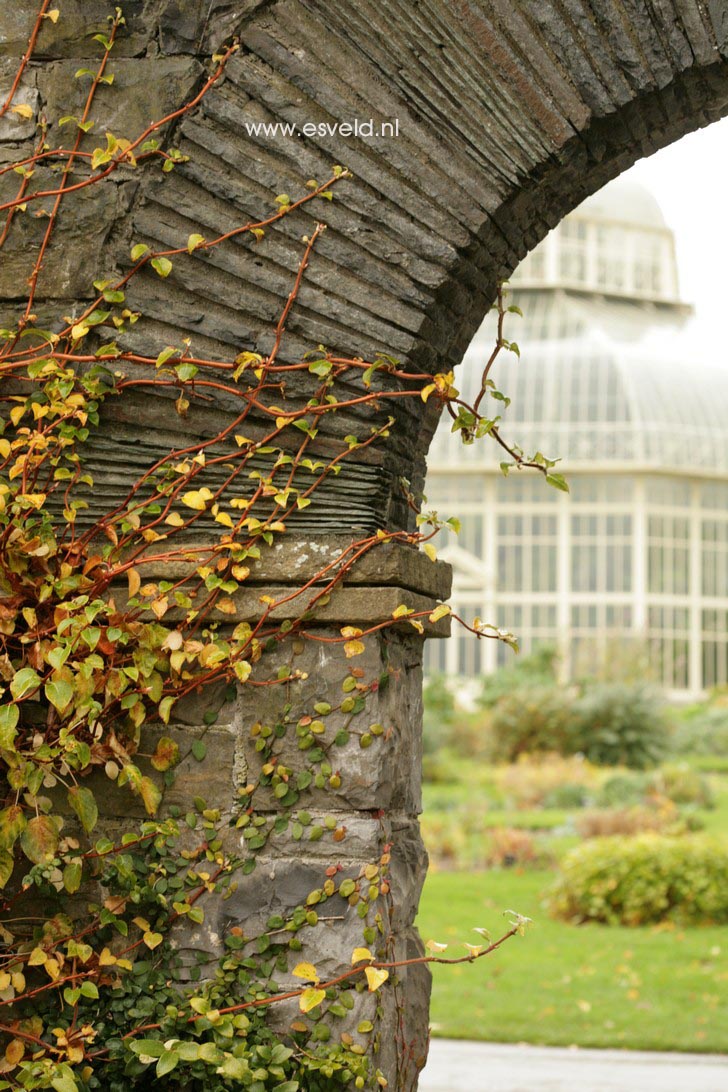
<point x="613" y="379"/>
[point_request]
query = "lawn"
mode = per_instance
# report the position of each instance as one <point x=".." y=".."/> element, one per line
<point x="648" y="988"/>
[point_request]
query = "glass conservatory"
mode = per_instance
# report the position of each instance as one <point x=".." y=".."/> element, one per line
<point x="613" y="379"/>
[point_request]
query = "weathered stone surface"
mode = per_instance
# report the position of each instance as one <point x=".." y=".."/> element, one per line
<point x="510" y="112"/>
<point x="384" y="775"/>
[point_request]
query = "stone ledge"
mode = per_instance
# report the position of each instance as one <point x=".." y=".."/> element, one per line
<point x="296" y="560"/>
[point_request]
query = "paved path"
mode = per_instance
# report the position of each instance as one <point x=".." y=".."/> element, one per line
<point x="496" y="1067"/>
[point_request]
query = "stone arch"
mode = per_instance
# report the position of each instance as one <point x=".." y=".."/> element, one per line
<point x="510" y="112"/>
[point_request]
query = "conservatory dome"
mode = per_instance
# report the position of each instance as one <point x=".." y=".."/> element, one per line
<point x="614" y="379"/>
<point x="596" y="399"/>
<point x="624" y="201"/>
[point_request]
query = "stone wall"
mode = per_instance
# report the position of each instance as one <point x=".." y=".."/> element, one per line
<point x="510" y="112"/>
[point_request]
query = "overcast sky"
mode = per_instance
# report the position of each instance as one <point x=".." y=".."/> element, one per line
<point x="690" y="181"/>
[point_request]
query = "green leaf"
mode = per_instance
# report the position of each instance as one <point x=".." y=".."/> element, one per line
<point x="139" y="251"/>
<point x="84" y="804"/>
<point x="167" y="1062"/>
<point x="59" y="694"/>
<point x="558" y="481"/>
<point x="320" y="367"/>
<point x="150" y="794"/>
<point x="12" y="825"/>
<point x="165" y="354"/>
<point x="9" y="716"/>
<point x="72" y="877"/>
<point x="24" y="682"/>
<point x="186" y="371"/>
<point x="166" y="754"/>
<point x="162" y="266"/>
<point x="194" y="241"/>
<point x="39" y="840"/>
<point x="6" y="866"/>
<point x="165" y="708"/>
<point x="151" y="1048"/>
<point x="64" y="1083"/>
<point x="199" y="749"/>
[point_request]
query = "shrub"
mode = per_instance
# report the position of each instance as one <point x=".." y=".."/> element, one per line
<point x="511" y="846"/>
<point x="644" y="879"/>
<point x="536" y="669"/>
<point x="462" y="840"/>
<point x="548" y="780"/>
<point x="706" y="733"/>
<point x="635" y="820"/>
<point x="530" y="720"/>
<point x="618" y="725"/>
<point x="566" y="796"/>
<point x="438" y="715"/>
<point x="683" y="785"/>
<point x="623" y="789"/>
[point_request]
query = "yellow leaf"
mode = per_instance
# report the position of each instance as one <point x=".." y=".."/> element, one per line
<point x="174" y="519"/>
<point x="35" y="500"/>
<point x="402" y="611"/>
<point x="430" y="551"/>
<point x="152" y="940"/>
<point x="433" y="946"/>
<point x="37" y="958"/>
<point x="14" y="1051"/>
<point x="240" y="572"/>
<point x="135" y="582"/>
<point x="53" y="969"/>
<point x="354" y="648"/>
<point x="242" y="670"/>
<point x="350" y="631"/>
<point x="4" y="448"/>
<point x="106" y="958"/>
<point x="193" y="499"/>
<point x="22" y="110"/>
<point x="310" y="998"/>
<point x="160" y="606"/>
<point x="439" y="612"/>
<point x="226" y="606"/>
<point x="52" y="15"/>
<point x="224" y="519"/>
<point x="79" y="330"/>
<point x="427" y="391"/>
<point x="361" y="954"/>
<point x="307" y="971"/>
<point x="375" y="978"/>
<point x="16" y="414"/>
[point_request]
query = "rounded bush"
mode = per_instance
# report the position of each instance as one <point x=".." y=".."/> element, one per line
<point x="622" y="790"/>
<point x="530" y="720"/>
<point x="618" y="725"/>
<point x="644" y="879"/>
<point x="683" y="785"/>
<point x="704" y="734"/>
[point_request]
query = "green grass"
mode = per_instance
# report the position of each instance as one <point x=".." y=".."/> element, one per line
<point x="591" y="985"/>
